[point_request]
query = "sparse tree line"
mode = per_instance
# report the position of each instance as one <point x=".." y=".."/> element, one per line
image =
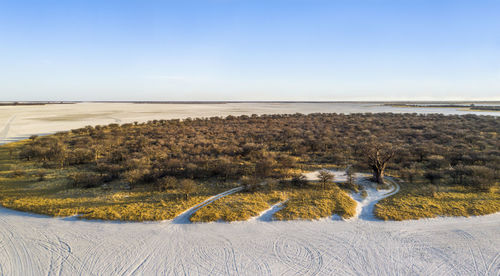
<point x="470" y="106"/>
<point x="462" y="150"/>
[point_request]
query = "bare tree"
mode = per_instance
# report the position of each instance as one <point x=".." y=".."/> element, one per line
<point x="324" y="178"/>
<point x="378" y="155"/>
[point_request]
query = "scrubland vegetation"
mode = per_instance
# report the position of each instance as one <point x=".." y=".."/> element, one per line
<point x="27" y="186"/>
<point x="155" y="170"/>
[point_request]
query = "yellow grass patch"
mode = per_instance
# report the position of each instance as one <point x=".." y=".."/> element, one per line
<point x="238" y="207"/>
<point x="414" y="202"/>
<point x="312" y="204"/>
<point x="138" y="207"/>
<point x="301" y="203"/>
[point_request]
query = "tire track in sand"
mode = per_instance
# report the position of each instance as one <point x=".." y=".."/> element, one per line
<point x="186" y="215"/>
<point x="299" y="257"/>
<point x="480" y="266"/>
<point x="5" y="131"/>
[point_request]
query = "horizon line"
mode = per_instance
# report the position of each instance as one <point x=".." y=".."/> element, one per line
<point x="243" y="101"/>
<point x="250" y="101"/>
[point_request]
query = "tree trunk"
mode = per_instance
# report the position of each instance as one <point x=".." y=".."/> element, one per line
<point x="378" y="155"/>
<point x="378" y="174"/>
<point x="380" y="177"/>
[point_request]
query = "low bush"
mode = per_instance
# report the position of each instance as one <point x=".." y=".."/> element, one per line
<point x="17" y="172"/>
<point x="349" y="186"/>
<point x="85" y="180"/>
<point x="166" y="183"/>
<point x="41" y="175"/>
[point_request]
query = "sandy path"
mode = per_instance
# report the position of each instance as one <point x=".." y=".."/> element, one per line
<point x="267" y="215"/>
<point x="366" y="206"/>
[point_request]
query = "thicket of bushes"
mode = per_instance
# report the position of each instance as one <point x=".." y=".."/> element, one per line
<point x="441" y="149"/>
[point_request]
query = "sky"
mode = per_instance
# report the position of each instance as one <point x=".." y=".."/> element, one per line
<point x="249" y="50"/>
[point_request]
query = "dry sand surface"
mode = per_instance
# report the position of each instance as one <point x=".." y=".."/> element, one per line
<point x="35" y="245"/>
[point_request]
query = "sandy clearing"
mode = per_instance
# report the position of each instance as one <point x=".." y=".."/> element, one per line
<point x="338" y="176"/>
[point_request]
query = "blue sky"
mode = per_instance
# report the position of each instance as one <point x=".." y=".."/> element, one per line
<point x="249" y="50"/>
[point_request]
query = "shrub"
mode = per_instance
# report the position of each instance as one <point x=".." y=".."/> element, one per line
<point x="80" y="156"/>
<point x="250" y="184"/>
<point x="349" y="186"/>
<point x="299" y="180"/>
<point x="17" y="172"/>
<point x="166" y="183"/>
<point x="41" y="175"/>
<point x="85" y="180"/>
<point x="112" y="170"/>
<point x="434" y="176"/>
<point x="133" y="177"/>
<point x="430" y="190"/>
<point x="187" y="187"/>
<point x="480" y="178"/>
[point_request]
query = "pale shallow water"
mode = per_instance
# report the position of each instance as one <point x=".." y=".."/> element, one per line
<point x="18" y="122"/>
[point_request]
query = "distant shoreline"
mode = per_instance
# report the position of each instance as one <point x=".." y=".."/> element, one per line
<point x="467" y="107"/>
<point x="454" y="104"/>
<point x="32" y="103"/>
